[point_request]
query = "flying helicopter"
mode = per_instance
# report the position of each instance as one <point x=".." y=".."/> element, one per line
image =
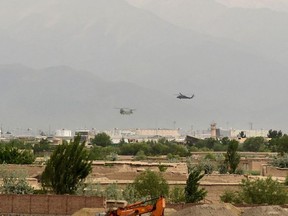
<point x="126" y="111"/>
<point x="182" y="96"/>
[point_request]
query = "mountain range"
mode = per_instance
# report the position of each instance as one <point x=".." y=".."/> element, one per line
<point x="70" y="64"/>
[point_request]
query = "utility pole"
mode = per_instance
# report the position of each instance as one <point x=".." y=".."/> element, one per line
<point x="251" y="125"/>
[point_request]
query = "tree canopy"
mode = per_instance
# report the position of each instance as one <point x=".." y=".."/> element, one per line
<point x="254" y="144"/>
<point x="67" y="167"/>
<point x="102" y="139"/>
<point x="232" y="158"/>
<point x="151" y="184"/>
<point x="274" y="134"/>
<point x="192" y="191"/>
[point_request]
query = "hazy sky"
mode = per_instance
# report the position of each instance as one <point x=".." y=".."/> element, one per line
<point x="233" y="60"/>
<point x="281" y="5"/>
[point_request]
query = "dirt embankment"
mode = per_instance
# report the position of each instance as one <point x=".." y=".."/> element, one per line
<point x="230" y="210"/>
<point x="209" y="210"/>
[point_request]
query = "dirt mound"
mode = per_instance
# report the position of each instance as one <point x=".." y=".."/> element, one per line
<point x="88" y="211"/>
<point x="209" y="210"/>
<point x="265" y="211"/>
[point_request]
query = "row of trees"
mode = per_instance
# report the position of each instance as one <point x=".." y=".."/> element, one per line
<point x="16" y="151"/>
<point x="69" y="165"/>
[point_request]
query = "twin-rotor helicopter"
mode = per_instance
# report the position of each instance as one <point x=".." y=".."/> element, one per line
<point x="126" y="111"/>
<point x="129" y="111"/>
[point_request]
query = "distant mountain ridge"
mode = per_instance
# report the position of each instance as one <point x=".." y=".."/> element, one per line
<point x="128" y="56"/>
<point x="60" y="97"/>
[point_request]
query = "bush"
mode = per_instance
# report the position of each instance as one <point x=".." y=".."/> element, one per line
<point x="254" y="172"/>
<point x="230" y="196"/>
<point x="15" y="183"/>
<point x="260" y="191"/>
<point x="162" y="168"/>
<point x="281" y="162"/>
<point x="264" y="191"/>
<point x="173" y="158"/>
<point x="239" y="171"/>
<point x="113" y="191"/>
<point x="286" y="181"/>
<point x="150" y="184"/>
<point x="140" y="155"/>
<point x="177" y="195"/>
<point x="223" y="168"/>
<point x="103" y="153"/>
<point x="206" y="165"/>
<point x="89" y="188"/>
<point x="130" y="194"/>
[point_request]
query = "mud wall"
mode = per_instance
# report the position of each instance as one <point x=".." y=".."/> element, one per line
<point x="47" y="204"/>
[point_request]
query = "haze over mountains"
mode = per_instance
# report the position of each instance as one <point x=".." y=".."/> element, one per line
<point x="68" y="64"/>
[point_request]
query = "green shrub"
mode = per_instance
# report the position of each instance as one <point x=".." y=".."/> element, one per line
<point x="261" y="191"/>
<point x="206" y="165"/>
<point x="281" y="162"/>
<point x="14" y="182"/>
<point x="151" y="184"/>
<point x="113" y="191"/>
<point x="286" y="180"/>
<point x="223" y="168"/>
<point x="230" y="196"/>
<point x="239" y="171"/>
<point x="162" y="168"/>
<point x="173" y="158"/>
<point x="264" y="191"/>
<point x="177" y="195"/>
<point x="254" y="172"/>
<point x="140" y="155"/>
<point x="210" y="156"/>
<point x="130" y="194"/>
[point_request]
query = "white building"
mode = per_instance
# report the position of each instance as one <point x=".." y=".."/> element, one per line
<point x="63" y="133"/>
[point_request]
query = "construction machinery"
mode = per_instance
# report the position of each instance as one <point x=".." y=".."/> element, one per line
<point x="139" y="208"/>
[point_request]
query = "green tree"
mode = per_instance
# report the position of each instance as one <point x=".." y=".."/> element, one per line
<point x="225" y="141"/>
<point x="102" y="153"/>
<point x="254" y="144"/>
<point x="274" y="134"/>
<point x="264" y="191"/>
<point x="280" y="144"/>
<point x="260" y="191"/>
<point x="232" y="158"/>
<point x="13" y="155"/>
<point x="41" y="147"/>
<point x="67" y="167"/>
<point x="150" y="184"/>
<point x="207" y="143"/>
<point x="192" y="191"/>
<point x="102" y="139"/>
